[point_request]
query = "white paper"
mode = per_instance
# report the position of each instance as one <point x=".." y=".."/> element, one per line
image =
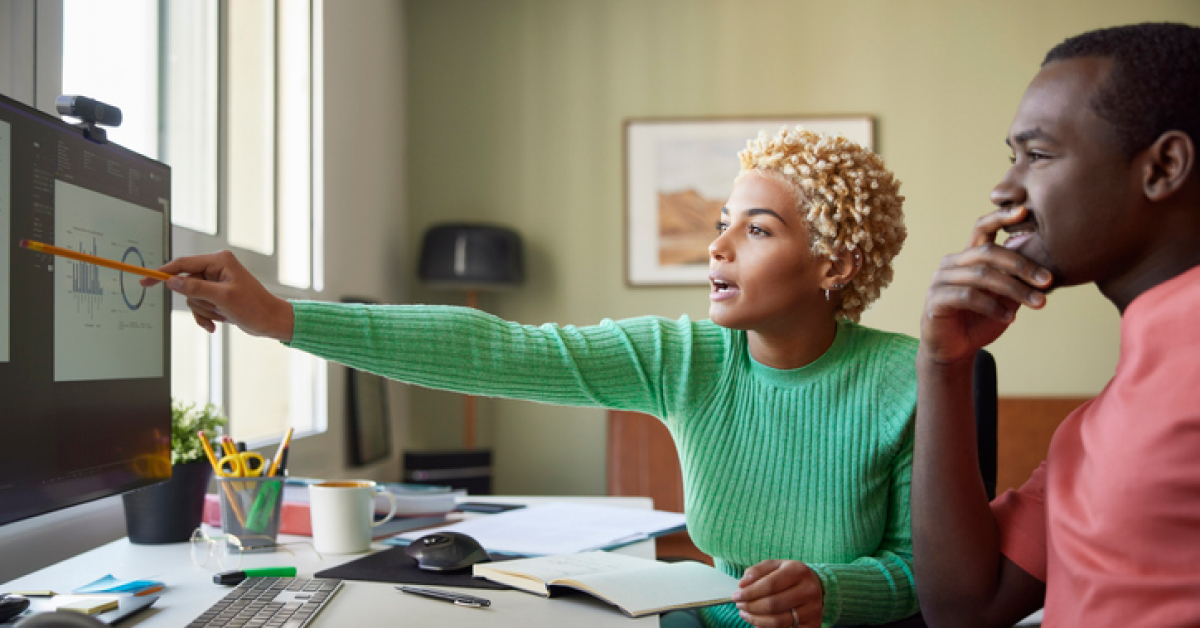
<point x="561" y="528"/>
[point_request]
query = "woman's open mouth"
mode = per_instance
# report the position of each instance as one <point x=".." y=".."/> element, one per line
<point x="721" y="288"/>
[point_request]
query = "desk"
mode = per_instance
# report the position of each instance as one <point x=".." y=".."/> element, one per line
<point x="189" y="589"/>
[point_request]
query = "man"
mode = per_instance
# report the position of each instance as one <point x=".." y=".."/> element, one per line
<point x="1104" y="189"/>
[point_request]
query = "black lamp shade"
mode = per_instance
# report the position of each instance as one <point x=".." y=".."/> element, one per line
<point x="471" y="257"/>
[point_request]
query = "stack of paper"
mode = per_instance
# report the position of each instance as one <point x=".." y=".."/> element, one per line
<point x="559" y="528"/>
<point x="411" y="499"/>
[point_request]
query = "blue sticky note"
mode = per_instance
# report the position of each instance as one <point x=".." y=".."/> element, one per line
<point x="110" y="584"/>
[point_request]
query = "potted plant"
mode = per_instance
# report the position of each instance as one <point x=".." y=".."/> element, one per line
<point x="169" y="511"/>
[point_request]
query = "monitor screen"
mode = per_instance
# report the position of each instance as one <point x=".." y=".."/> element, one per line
<point x="84" y="350"/>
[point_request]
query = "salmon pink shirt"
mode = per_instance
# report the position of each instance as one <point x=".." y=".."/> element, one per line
<point x="1111" y="520"/>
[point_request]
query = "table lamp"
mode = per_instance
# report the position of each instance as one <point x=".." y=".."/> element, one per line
<point x="471" y="257"/>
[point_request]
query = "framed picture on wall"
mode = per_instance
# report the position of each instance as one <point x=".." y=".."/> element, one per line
<point x="679" y="173"/>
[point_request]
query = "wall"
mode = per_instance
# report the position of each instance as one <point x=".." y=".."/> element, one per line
<point x="364" y="229"/>
<point x="515" y="116"/>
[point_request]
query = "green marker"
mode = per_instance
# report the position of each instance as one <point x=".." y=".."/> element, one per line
<point x="235" y="577"/>
<point x="264" y="507"/>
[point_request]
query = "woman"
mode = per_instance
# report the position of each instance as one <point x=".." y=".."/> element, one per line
<point x="793" y="422"/>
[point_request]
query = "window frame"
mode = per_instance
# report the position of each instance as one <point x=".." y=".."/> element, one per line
<point x="48" y="16"/>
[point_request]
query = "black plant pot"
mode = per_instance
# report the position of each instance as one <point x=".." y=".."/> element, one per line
<point x="170" y="511"/>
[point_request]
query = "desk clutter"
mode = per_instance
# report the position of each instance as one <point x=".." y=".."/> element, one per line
<point x="417" y="506"/>
<point x="368" y="592"/>
<point x="108" y="599"/>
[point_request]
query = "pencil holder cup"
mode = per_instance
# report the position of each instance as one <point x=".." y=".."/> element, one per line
<point x="250" y="510"/>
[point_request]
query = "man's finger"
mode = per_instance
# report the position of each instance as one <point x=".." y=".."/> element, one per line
<point x="994" y="256"/>
<point x="951" y="301"/>
<point x="988" y="225"/>
<point x="987" y="279"/>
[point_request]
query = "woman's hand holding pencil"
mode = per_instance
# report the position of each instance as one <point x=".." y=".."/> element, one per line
<point x="220" y="290"/>
<point x="40" y="247"/>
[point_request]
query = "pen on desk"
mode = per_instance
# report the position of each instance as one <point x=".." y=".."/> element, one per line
<point x="236" y="576"/>
<point x="40" y="247"/>
<point x="447" y="596"/>
<point x="283" y="445"/>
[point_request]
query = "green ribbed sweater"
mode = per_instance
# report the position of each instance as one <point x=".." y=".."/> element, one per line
<point x="809" y="464"/>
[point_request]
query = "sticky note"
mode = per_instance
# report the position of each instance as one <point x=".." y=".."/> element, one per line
<point x="90" y="606"/>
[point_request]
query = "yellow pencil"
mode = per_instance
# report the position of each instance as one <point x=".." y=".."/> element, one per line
<point x="228" y="446"/>
<point x="208" y="451"/>
<point x="92" y="259"/>
<point x="283" y="445"/>
<point x="212" y="459"/>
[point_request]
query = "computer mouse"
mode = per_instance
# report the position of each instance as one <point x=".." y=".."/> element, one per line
<point x="12" y="605"/>
<point x="446" y="551"/>
<point x="61" y="619"/>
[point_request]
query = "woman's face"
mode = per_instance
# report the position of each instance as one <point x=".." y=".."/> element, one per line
<point x="763" y="273"/>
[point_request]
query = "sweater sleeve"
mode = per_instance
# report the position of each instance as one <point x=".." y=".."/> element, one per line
<point x="880" y="587"/>
<point x="644" y="364"/>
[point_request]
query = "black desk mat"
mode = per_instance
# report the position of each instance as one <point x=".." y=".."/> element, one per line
<point x="394" y="566"/>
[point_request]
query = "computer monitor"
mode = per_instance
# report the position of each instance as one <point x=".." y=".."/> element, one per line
<point x="85" y="389"/>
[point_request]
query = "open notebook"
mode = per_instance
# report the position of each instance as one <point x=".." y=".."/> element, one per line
<point x="637" y="586"/>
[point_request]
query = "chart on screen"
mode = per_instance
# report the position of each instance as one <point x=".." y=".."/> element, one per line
<point x="99" y="312"/>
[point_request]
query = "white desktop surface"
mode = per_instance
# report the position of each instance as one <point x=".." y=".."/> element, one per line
<point x="190" y="590"/>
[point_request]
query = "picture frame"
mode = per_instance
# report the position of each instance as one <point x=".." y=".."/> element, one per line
<point x="678" y="174"/>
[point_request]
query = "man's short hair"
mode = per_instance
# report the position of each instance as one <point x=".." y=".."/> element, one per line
<point x="1154" y="84"/>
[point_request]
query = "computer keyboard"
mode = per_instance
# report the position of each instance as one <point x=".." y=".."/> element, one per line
<point x="270" y="602"/>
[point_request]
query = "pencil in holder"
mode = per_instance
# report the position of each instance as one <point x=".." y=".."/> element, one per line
<point x="250" y="510"/>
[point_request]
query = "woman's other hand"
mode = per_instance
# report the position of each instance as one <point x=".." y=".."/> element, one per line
<point x="219" y="289"/>
<point x="780" y="594"/>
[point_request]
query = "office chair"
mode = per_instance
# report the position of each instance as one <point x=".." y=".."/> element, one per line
<point x="985" y="399"/>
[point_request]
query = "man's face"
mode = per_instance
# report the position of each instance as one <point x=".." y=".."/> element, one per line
<point x="1070" y="172"/>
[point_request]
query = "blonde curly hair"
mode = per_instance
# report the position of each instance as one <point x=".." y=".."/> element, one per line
<point x="850" y="201"/>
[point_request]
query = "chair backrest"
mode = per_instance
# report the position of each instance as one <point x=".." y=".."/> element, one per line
<point x="985" y="397"/>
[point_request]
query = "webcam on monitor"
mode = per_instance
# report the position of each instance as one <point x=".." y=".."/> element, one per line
<point x="91" y="112"/>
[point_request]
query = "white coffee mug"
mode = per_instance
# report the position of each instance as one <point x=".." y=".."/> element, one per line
<point x="342" y="514"/>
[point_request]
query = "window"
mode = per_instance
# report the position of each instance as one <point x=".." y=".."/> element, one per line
<point x="223" y="91"/>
